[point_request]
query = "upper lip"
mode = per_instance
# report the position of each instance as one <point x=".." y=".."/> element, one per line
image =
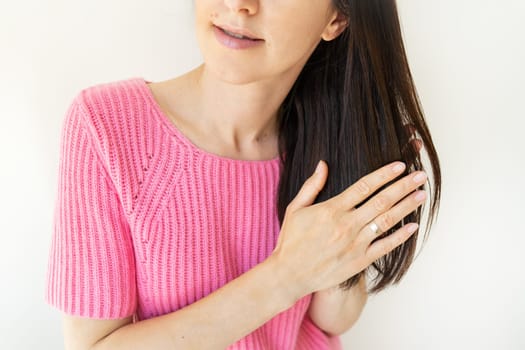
<point x="240" y="31"/>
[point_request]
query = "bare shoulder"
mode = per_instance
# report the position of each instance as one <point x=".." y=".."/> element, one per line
<point x="83" y="333"/>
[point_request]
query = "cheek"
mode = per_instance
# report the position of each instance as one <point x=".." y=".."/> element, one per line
<point x="295" y="30"/>
<point x="293" y="43"/>
<point x="204" y="15"/>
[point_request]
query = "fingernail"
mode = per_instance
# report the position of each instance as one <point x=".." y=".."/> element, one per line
<point x="318" y="168"/>
<point x="420" y="177"/>
<point x="412" y="227"/>
<point x="420" y="196"/>
<point x="398" y="167"/>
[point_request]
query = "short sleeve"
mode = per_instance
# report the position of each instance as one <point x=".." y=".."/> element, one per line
<point x="91" y="267"/>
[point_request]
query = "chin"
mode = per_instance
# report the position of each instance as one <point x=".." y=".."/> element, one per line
<point x="237" y="74"/>
<point x="233" y="67"/>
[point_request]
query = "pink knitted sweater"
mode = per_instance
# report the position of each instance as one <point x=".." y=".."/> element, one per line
<point x="146" y="222"/>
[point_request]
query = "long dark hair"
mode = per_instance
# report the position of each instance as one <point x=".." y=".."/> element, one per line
<point x="350" y="106"/>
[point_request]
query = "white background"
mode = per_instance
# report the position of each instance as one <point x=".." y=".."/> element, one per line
<point x="466" y="289"/>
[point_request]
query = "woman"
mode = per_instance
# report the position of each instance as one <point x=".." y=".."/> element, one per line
<point x="188" y="214"/>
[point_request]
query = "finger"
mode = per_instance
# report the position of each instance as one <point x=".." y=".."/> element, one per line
<point x="385" y="199"/>
<point x="367" y="185"/>
<point x="311" y="188"/>
<point x="386" y="245"/>
<point x="390" y="218"/>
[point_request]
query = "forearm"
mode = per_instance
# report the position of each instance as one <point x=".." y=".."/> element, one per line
<point x="335" y="311"/>
<point x="215" y="321"/>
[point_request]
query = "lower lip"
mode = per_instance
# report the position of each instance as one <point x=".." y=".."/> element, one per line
<point x="234" y="43"/>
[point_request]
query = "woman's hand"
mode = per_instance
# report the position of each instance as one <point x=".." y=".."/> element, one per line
<point x="321" y="245"/>
<point x="335" y="310"/>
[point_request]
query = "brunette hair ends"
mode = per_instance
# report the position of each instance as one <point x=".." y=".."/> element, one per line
<point x="350" y="106"/>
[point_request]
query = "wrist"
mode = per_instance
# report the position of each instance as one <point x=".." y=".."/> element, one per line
<point x="288" y="284"/>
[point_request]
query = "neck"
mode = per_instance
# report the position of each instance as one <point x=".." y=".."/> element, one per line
<point x="241" y="115"/>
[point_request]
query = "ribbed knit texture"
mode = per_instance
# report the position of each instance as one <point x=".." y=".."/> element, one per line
<point x="146" y="222"/>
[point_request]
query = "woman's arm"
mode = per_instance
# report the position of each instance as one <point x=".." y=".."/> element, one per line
<point x="213" y="322"/>
<point x="335" y="311"/>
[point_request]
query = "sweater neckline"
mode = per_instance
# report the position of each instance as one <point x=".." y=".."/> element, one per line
<point x="180" y="135"/>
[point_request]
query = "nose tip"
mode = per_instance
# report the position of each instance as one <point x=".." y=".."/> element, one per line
<point x="248" y="6"/>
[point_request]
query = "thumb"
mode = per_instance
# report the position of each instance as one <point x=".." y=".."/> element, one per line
<point x="311" y="188"/>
